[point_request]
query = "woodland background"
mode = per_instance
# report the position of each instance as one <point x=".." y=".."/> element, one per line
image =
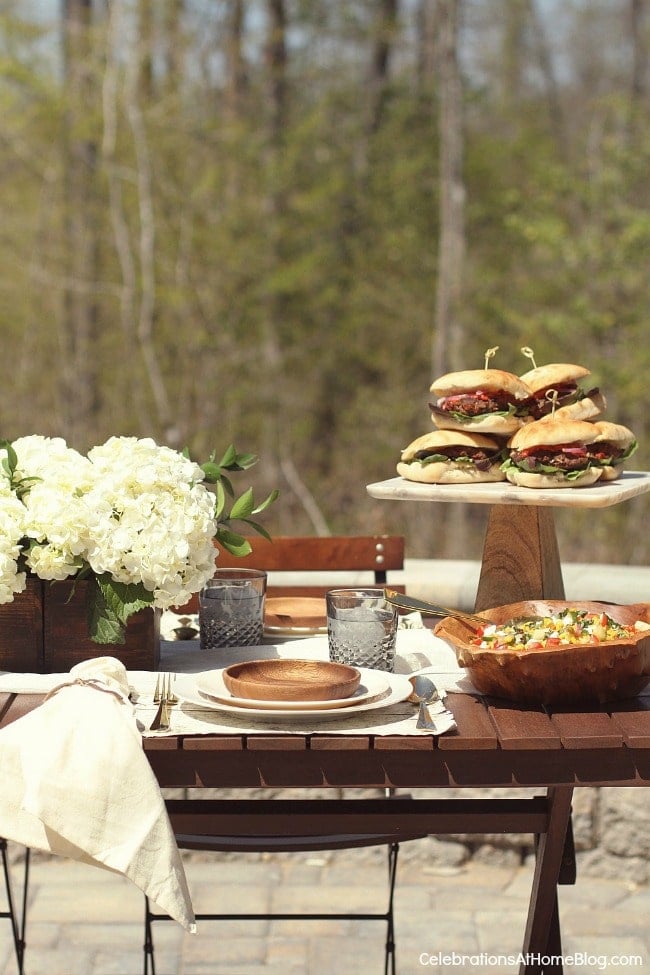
<point x="274" y="222"/>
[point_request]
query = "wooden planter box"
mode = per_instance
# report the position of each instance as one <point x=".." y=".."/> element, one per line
<point x="44" y="630"/>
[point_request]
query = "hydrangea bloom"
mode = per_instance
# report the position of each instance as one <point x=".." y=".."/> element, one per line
<point x="56" y="479"/>
<point x="136" y="518"/>
<point x="12" y="531"/>
<point x="150" y="519"/>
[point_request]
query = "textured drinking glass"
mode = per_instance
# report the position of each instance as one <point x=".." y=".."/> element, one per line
<point x="231" y="609"/>
<point x="361" y="626"/>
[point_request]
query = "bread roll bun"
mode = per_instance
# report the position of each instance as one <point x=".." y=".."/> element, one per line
<point x="490" y="380"/>
<point x="618" y="436"/>
<point x="551" y="433"/>
<point x="500" y="426"/>
<point x="448" y="471"/>
<point x="559" y="480"/>
<point x="614" y="433"/>
<point x="587" y="408"/>
<point x="448" y="438"/>
<point x="544" y="377"/>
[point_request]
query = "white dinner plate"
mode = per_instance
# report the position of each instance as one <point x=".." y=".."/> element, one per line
<point x="397" y="689"/>
<point x="212" y="686"/>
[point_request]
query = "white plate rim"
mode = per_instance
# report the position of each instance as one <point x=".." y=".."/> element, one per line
<point x="399" y="688"/>
<point x="294" y="630"/>
<point x="375" y="683"/>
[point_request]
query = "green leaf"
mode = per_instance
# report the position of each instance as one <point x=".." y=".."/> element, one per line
<point x="10" y="462"/>
<point x="227" y="483"/>
<point x="245" y="461"/>
<point x="229" y="457"/>
<point x="243" y="506"/>
<point x="211" y="471"/>
<point x="220" y="502"/>
<point x="235" y="544"/>
<point x="123" y="599"/>
<point x="258" y="528"/>
<point x="634" y="446"/>
<point x="110" y="605"/>
<point x="273" y="496"/>
<point x="105" y="628"/>
<point x="431" y="459"/>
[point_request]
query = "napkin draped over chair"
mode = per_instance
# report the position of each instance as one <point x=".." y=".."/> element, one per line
<point x="75" y="781"/>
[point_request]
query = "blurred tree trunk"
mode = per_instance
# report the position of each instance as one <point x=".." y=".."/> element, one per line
<point x="275" y="53"/>
<point x="147" y="39"/>
<point x="544" y="60"/>
<point x="447" y="351"/>
<point x="427" y="30"/>
<point x="638" y="19"/>
<point x="525" y="42"/>
<point x="236" y="75"/>
<point x="279" y="461"/>
<point x="174" y="44"/>
<point x="449" y="334"/>
<point x="79" y="395"/>
<point x="384" y="38"/>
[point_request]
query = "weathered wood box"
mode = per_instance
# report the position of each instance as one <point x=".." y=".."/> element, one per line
<point x="44" y="630"/>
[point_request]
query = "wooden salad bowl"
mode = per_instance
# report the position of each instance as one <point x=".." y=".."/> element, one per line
<point x="291" y="680"/>
<point x="565" y="674"/>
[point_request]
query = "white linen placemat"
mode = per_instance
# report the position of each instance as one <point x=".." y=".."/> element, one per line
<point x="418" y="651"/>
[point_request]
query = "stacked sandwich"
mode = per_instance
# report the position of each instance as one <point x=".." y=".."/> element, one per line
<point x="538" y="430"/>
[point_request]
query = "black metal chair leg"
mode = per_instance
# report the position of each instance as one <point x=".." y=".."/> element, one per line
<point x="17" y="927"/>
<point x="149" y="960"/>
<point x="389" y="963"/>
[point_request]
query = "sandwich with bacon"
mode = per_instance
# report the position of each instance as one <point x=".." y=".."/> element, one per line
<point x="610" y="449"/>
<point x="552" y="454"/>
<point x="452" y="457"/>
<point x="556" y="389"/>
<point x="483" y="401"/>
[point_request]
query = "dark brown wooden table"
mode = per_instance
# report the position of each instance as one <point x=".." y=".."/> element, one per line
<point x="497" y="745"/>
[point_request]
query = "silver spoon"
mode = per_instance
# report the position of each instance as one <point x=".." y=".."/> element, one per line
<point x="424" y="692"/>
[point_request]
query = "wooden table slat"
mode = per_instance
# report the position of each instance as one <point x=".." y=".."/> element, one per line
<point x="523" y="727"/>
<point x="474" y="728"/>
<point x="276" y="743"/>
<point x="581" y="729"/>
<point x="342" y="743"/>
<point x="212" y="743"/>
<point x="389" y="743"/>
<point x="634" y="722"/>
<point x="162" y="744"/>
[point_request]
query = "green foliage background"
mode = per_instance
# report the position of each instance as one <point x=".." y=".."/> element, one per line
<point x="273" y="283"/>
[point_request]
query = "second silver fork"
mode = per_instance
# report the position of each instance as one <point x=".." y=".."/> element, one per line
<point x="167" y="698"/>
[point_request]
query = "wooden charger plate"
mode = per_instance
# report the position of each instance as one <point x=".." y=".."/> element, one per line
<point x="295" y="612"/>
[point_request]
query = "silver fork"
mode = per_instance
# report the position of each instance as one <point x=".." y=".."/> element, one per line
<point x="162" y="720"/>
<point x="172" y="697"/>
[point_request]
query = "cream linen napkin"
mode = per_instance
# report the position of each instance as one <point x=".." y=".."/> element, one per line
<point x="74" y="781"/>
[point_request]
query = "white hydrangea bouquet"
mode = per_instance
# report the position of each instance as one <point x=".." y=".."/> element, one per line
<point x="136" y="519"/>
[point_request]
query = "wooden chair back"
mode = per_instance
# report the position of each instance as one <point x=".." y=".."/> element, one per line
<point x="369" y="558"/>
<point x="337" y="560"/>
